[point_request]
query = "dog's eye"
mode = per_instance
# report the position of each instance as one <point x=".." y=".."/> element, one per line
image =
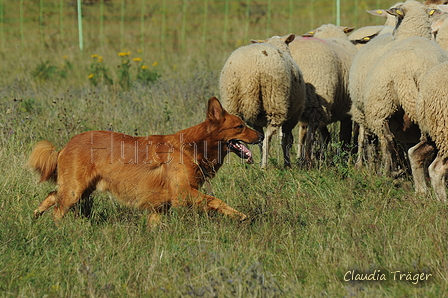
<point x="241" y="126"/>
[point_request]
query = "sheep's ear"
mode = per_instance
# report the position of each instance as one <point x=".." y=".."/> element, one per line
<point x="257" y="41"/>
<point x="435" y="26"/>
<point x="288" y="38"/>
<point x="347" y="29"/>
<point x="443" y="7"/>
<point x="378" y="12"/>
<point x="364" y="40"/>
<point x="309" y="34"/>
<point x="215" y="111"/>
<point x="396" y="12"/>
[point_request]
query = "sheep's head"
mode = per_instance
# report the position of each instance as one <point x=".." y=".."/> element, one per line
<point x="397" y="12"/>
<point x="439" y="21"/>
<point x="400" y="11"/>
<point x="414" y="11"/>
<point x="390" y="19"/>
<point x="280" y="42"/>
<point x="328" y="31"/>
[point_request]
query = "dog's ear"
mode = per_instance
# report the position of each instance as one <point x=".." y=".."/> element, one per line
<point x="215" y="110"/>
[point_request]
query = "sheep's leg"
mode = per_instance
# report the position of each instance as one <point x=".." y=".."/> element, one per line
<point x="287" y="140"/>
<point x="325" y="138"/>
<point x="361" y="146"/>
<point x="345" y="132"/>
<point x="301" y="140"/>
<point x="386" y="140"/>
<point x="325" y="135"/>
<point x="437" y="172"/>
<point x="270" y="131"/>
<point x="310" y="139"/>
<point x="386" y="155"/>
<point x="260" y="130"/>
<point x="355" y="134"/>
<point x="417" y="156"/>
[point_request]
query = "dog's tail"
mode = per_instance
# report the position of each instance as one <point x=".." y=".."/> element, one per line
<point x="44" y="160"/>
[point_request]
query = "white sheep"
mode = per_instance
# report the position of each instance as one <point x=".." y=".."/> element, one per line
<point x="432" y="117"/>
<point x="362" y="64"/>
<point x="439" y="27"/>
<point x="262" y="84"/>
<point x="415" y="23"/>
<point x="324" y="60"/>
<point x="363" y="35"/>
<point x="393" y="83"/>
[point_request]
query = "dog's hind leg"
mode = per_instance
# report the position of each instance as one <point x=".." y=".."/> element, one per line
<point x="67" y="198"/>
<point x="49" y="201"/>
<point x="71" y="190"/>
<point x="155" y="214"/>
<point x="154" y="219"/>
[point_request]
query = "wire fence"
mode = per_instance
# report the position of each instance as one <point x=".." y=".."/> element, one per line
<point x="170" y="24"/>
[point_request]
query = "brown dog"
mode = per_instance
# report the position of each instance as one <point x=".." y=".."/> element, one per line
<point x="154" y="172"/>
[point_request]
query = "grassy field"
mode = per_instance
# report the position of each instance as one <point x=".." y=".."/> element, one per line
<point x="308" y="229"/>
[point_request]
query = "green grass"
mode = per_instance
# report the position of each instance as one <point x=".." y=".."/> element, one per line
<point x="307" y="228"/>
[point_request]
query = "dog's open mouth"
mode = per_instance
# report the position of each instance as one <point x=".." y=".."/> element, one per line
<point x="238" y="148"/>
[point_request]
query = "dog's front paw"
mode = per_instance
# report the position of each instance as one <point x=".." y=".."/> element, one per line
<point x="37" y="213"/>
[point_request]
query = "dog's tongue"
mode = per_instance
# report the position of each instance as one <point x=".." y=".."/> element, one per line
<point x="242" y="151"/>
<point x="247" y="153"/>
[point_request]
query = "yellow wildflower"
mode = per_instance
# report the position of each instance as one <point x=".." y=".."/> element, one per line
<point x="100" y="59"/>
<point x="155" y="64"/>
<point x="138" y="59"/>
<point x="94" y="56"/>
<point x="91" y="76"/>
<point x="64" y="57"/>
<point x="124" y="54"/>
<point x="55" y="287"/>
<point x="144" y="66"/>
